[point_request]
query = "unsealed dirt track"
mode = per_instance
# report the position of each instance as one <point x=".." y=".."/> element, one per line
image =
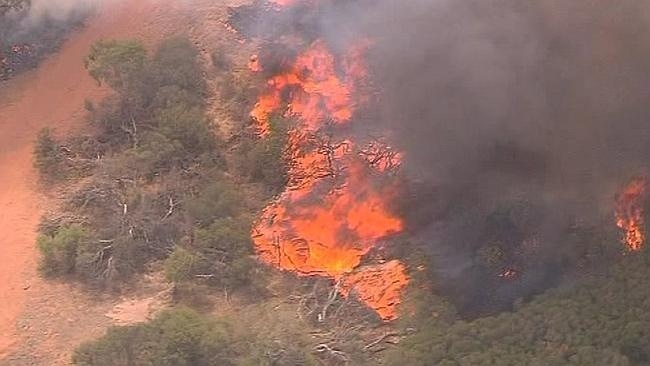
<point x="51" y="96"/>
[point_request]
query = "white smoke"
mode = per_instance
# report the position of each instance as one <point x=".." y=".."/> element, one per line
<point x="58" y="10"/>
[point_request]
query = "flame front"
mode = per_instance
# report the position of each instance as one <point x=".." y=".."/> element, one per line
<point x="379" y="286"/>
<point x="630" y="213"/>
<point x="316" y="92"/>
<point x="312" y="233"/>
<point x="333" y="211"/>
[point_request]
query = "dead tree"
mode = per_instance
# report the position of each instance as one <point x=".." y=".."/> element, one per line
<point x="331" y="298"/>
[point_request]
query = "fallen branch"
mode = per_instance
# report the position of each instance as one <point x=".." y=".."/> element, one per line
<point x="172" y="205"/>
<point x="331" y="353"/>
<point x="379" y="340"/>
<point x="330" y="300"/>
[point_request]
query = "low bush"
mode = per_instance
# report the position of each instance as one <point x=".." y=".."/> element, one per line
<point x="59" y="252"/>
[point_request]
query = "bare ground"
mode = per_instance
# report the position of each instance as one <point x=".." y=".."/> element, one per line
<point x="42" y="321"/>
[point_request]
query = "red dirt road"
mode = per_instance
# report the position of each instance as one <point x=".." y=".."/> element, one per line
<point x="52" y="95"/>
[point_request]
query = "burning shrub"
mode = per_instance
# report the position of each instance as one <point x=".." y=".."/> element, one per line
<point x="630" y="215"/>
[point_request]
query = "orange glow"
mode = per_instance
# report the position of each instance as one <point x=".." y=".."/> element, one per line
<point x="333" y="211"/>
<point x="380" y="286"/>
<point x="315" y="91"/>
<point x="325" y="234"/>
<point x="630" y="213"/>
<point x="509" y="273"/>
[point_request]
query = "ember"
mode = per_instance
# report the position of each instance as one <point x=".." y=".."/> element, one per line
<point x="509" y="273"/>
<point x="630" y="213"/>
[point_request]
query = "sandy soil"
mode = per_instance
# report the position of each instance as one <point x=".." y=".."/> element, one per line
<point x="52" y="95"/>
<point x="42" y="321"/>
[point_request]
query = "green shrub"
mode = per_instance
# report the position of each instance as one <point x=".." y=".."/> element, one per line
<point x="218" y="199"/>
<point x="59" y="252"/>
<point x="175" y="63"/>
<point x="154" y="155"/>
<point x="262" y="160"/>
<point x="226" y="248"/>
<point x="181" y="265"/>
<point x="47" y="155"/>
<point x="179" y="337"/>
<point x="187" y="125"/>
<point x="117" y="63"/>
<point x="89" y="105"/>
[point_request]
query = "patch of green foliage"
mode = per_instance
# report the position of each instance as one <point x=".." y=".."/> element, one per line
<point x="263" y="160"/>
<point x="59" y="251"/>
<point x="183" y="337"/>
<point x="180" y="337"/>
<point x="118" y="64"/>
<point x="219" y="198"/>
<point x="47" y="155"/>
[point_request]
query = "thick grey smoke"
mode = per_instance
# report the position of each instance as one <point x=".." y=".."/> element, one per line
<point x="41" y="14"/>
<point x="503" y="103"/>
<point x="519" y="120"/>
<point x="59" y="9"/>
<point x="29" y="34"/>
<point x="564" y="81"/>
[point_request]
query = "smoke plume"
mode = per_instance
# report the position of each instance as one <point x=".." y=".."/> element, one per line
<point x="29" y="34"/>
<point x="519" y="121"/>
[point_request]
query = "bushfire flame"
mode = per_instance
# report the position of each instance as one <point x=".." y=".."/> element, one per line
<point x="333" y="211"/>
<point x="630" y="213"/>
<point x="382" y="287"/>
<point x="316" y="91"/>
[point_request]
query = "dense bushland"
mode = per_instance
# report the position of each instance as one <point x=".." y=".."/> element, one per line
<point x="599" y="321"/>
<point x="154" y="183"/>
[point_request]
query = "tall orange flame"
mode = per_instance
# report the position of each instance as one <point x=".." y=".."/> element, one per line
<point x="316" y="91"/>
<point x="332" y="212"/>
<point x="630" y="213"/>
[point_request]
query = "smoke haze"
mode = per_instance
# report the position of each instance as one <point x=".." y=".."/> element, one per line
<point x="500" y="104"/>
<point x="519" y="122"/>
